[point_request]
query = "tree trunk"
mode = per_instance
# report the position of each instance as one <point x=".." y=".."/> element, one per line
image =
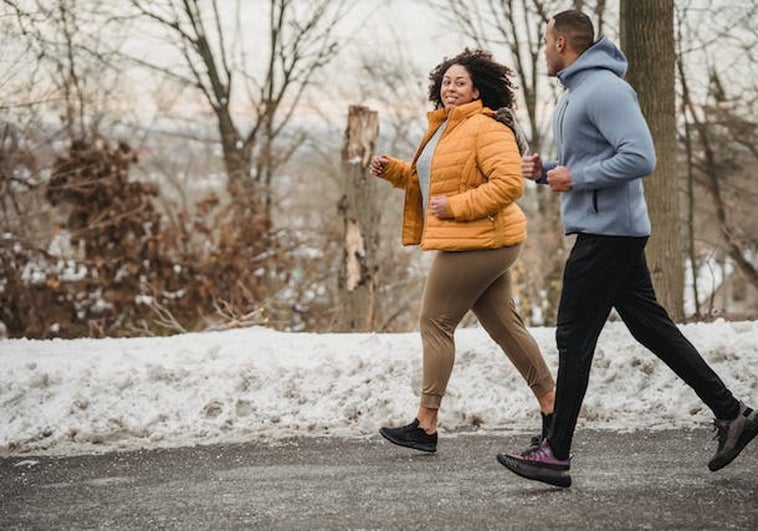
<point x="647" y="38"/>
<point x="357" y="279"/>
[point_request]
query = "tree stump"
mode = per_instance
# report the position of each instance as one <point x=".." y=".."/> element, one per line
<point x="361" y="215"/>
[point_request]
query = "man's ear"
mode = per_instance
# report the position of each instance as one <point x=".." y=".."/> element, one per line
<point x="560" y="43"/>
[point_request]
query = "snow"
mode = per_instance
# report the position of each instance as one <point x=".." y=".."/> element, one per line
<point x="65" y="397"/>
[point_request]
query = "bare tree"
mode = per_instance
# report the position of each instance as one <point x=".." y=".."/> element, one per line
<point x="718" y="132"/>
<point x="70" y="56"/>
<point x="300" y="41"/>
<point x="690" y="180"/>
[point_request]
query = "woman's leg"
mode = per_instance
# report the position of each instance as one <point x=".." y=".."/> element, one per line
<point x="447" y="297"/>
<point x="497" y="313"/>
<point x="477" y="280"/>
<point x="456" y="280"/>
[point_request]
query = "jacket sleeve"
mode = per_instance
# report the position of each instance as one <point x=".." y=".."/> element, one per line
<point x="618" y="118"/>
<point x="546" y="167"/>
<point x="397" y="172"/>
<point x="498" y="159"/>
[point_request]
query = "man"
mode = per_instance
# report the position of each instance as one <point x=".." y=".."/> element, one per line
<point x="605" y="149"/>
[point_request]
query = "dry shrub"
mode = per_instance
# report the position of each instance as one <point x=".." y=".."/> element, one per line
<point x="123" y="272"/>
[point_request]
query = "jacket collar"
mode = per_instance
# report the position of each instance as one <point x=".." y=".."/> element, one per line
<point x="455" y="116"/>
<point x="457" y="113"/>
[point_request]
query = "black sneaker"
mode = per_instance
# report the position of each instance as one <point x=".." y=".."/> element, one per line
<point x="733" y="436"/>
<point x="411" y="436"/>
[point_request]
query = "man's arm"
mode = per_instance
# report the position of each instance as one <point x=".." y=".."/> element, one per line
<point x="617" y="115"/>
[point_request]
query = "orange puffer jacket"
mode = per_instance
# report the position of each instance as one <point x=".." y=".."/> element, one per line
<point x="476" y="164"/>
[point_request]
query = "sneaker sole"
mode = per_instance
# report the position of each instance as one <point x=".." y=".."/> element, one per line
<point x="407" y="444"/>
<point x="749" y="433"/>
<point x="554" y="477"/>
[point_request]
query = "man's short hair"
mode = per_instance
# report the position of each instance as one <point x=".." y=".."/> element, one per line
<point x="576" y="27"/>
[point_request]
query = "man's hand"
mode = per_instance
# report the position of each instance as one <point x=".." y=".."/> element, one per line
<point x="531" y="167"/>
<point x="559" y="179"/>
<point x="438" y="205"/>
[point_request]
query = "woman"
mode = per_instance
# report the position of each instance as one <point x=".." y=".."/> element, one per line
<point x="460" y="193"/>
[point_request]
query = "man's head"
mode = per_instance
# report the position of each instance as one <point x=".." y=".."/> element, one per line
<point x="568" y="35"/>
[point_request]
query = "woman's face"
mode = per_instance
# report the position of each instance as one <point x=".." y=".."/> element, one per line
<point x="457" y="87"/>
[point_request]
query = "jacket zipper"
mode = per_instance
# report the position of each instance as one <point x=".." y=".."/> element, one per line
<point x="561" y="116"/>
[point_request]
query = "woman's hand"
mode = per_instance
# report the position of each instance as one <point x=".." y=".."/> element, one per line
<point x="378" y="165"/>
<point x="438" y="204"/>
<point x="531" y="167"/>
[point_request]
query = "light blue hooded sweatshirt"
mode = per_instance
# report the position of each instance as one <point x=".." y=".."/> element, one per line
<point x="605" y="142"/>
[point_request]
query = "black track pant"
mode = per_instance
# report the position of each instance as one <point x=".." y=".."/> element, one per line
<point x="604" y="272"/>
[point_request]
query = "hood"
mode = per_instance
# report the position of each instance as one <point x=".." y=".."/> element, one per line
<point x="601" y="55"/>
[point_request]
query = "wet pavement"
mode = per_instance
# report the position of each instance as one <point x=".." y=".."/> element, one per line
<point x="642" y="480"/>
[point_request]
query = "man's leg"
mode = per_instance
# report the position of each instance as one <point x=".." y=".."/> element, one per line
<point x="596" y="267"/>
<point x="594" y="271"/>
<point x="651" y="325"/>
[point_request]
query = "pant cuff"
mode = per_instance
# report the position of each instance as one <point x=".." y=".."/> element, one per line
<point x="431" y="401"/>
<point x="543" y="387"/>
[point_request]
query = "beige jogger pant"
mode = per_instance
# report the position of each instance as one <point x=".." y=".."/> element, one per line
<point x="478" y="281"/>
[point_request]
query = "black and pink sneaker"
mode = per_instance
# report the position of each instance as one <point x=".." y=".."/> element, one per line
<point x="733" y="436"/>
<point x="538" y="463"/>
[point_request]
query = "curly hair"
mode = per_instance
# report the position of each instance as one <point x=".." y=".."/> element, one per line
<point x="491" y="78"/>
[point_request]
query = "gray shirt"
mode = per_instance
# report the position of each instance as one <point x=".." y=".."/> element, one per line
<point x="424" y="163"/>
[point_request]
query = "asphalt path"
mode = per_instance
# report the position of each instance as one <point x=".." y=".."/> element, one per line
<point x="641" y="480"/>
